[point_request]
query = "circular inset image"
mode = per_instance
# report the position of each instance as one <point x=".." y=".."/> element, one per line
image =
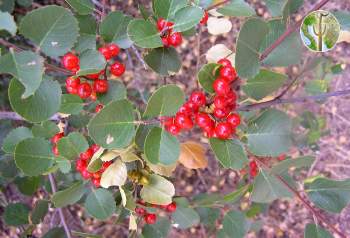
<point x="320" y="31"/>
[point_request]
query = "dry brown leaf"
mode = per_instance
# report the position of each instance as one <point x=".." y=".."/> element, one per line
<point x="192" y="155"/>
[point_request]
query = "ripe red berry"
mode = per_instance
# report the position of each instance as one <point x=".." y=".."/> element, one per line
<point x="140" y="211"/>
<point x="95" y="147"/>
<point x="165" y="41"/>
<point x="117" y="69"/>
<point x="223" y="130"/>
<point x="150" y="218"/>
<point x="185" y="109"/>
<point x="80" y="165"/>
<point x="57" y="137"/>
<point x="209" y="131"/>
<point x="192" y="106"/>
<point x="234" y="119"/>
<point x="171" y="207"/>
<point x="221" y="86"/>
<point x="173" y="129"/>
<point x="205" y="18"/>
<point x="220" y="102"/>
<point x="86" y="174"/>
<point x="253" y="168"/>
<point x="198" y="98"/>
<point x="96" y="182"/>
<point x="100" y="86"/>
<point x="203" y="120"/>
<point x="55" y="150"/>
<point x="72" y="82"/>
<point x="87" y="154"/>
<point x="97" y="175"/>
<point x="98" y="108"/>
<point x="161" y="23"/>
<point x="72" y="90"/>
<point x="228" y="73"/>
<point x="105" y="52"/>
<point x="221" y="112"/>
<point x="113" y="49"/>
<point x="225" y="62"/>
<point x="281" y="157"/>
<point x="70" y="61"/>
<point x="231" y="98"/>
<point x="183" y="121"/>
<point x="84" y="90"/>
<point x="175" y="39"/>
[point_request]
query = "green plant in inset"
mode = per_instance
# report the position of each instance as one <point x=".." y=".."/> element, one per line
<point x="320" y="29"/>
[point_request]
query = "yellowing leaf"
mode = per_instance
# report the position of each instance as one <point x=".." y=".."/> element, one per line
<point x="132" y="222"/>
<point x="217" y="26"/>
<point x="109" y="156"/>
<point x="219" y="51"/>
<point x="115" y="175"/>
<point x="123" y="195"/>
<point x="159" y="191"/>
<point x="165" y="170"/>
<point x="192" y="155"/>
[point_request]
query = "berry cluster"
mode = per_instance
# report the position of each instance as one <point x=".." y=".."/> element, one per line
<point x="168" y="37"/>
<point x="54" y="141"/>
<point x="151" y="218"/>
<point x="82" y="164"/>
<point x="85" y="89"/>
<point x="205" y="18"/>
<point x="217" y="120"/>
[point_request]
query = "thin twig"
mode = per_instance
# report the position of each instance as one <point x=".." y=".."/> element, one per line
<point x="60" y="211"/>
<point x="138" y="56"/>
<point x="15" y="117"/>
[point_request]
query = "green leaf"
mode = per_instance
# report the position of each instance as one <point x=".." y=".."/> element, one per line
<point x="288" y="52"/>
<point x="91" y="62"/>
<point x="113" y="127"/>
<point x="343" y="18"/>
<point x="39" y="212"/>
<point x="160" y="229"/>
<point x="267" y="188"/>
<point x="248" y="44"/>
<point x="185" y="217"/>
<point x="16" y="214"/>
<point x="290" y="7"/>
<point x="116" y="91"/>
<point x="207" y="75"/>
<point x="71" y="104"/>
<point x="315" y="231"/>
<point x="82" y="7"/>
<point x="315" y="87"/>
<point x="275" y="7"/>
<point x="7" y="23"/>
<point x="159" y="190"/>
<point x="186" y="18"/>
<point x="165" y="101"/>
<point x="167" y="8"/>
<point x="235" y="223"/>
<point x="237" y="8"/>
<point x="85" y="42"/>
<point x="161" y="147"/>
<point x="114" y="27"/>
<point x="69" y="195"/>
<point x="270" y="133"/>
<point x="28" y="185"/>
<point x="230" y="153"/>
<point x="144" y="34"/>
<point x="7" y="6"/>
<point x="301" y="162"/>
<point x="327" y="194"/>
<point x="55" y="35"/>
<point x="57" y="232"/>
<point x="263" y="84"/>
<point x="24" y="3"/>
<point x="63" y="164"/>
<point x="46" y="129"/>
<point x="208" y="216"/>
<point x="235" y="195"/>
<point x="87" y="37"/>
<point x="8" y="168"/>
<point x="41" y="106"/>
<point x="14" y="137"/>
<point x="27" y="67"/>
<point x="164" y="61"/>
<point x="100" y="204"/>
<point x="72" y="145"/>
<point x="33" y="156"/>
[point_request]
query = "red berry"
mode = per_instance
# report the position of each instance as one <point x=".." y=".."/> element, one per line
<point x="192" y="106"/>
<point x="165" y="42"/>
<point x="209" y="131"/>
<point x="161" y="23"/>
<point x="185" y="109"/>
<point x="203" y="120"/>
<point x="95" y="147"/>
<point x="225" y="62"/>
<point x="169" y="24"/>
<point x="72" y="90"/>
<point x="87" y="154"/>
<point x="93" y="76"/>
<point x="205" y="18"/>
<point x="72" y="82"/>
<point x="98" y="108"/>
<point x="198" y="98"/>
<point x="86" y="174"/>
<point x="96" y="182"/>
<point x="253" y="169"/>
<point x="150" y="218"/>
<point x="221" y="112"/>
<point x="281" y="157"/>
<point x="70" y="61"/>
<point x="234" y="119"/>
<point x="175" y="39"/>
<point x="173" y="129"/>
<point x="223" y="130"/>
<point x="117" y="69"/>
<point x="141" y="202"/>
<point x="80" y="165"/>
<point x="140" y="211"/>
<point x="55" y="150"/>
<point x="253" y="164"/>
<point x="183" y="121"/>
<point x="106" y="164"/>
<point x="84" y="90"/>
<point x="57" y="137"/>
<point x="231" y="98"/>
<point x="171" y="207"/>
<point x="220" y="102"/>
<point x="228" y="73"/>
<point x="105" y="52"/>
<point x="221" y="86"/>
<point x="113" y="49"/>
<point x="97" y="175"/>
<point x="100" y="86"/>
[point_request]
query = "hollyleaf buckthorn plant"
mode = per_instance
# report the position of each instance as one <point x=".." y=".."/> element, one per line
<point x="113" y="144"/>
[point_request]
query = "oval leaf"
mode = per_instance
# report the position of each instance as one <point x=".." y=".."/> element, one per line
<point x="91" y="62"/>
<point x="144" y="34"/>
<point x="100" y="204"/>
<point x="115" y="175"/>
<point x="207" y="75"/>
<point x="192" y="155"/>
<point x="14" y="137"/>
<point x="164" y="61"/>
<point x="72" y="145"/>
<point x="69" y="196"/>
<point x="187" y="17"/>
<point x="159" y="191"/>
